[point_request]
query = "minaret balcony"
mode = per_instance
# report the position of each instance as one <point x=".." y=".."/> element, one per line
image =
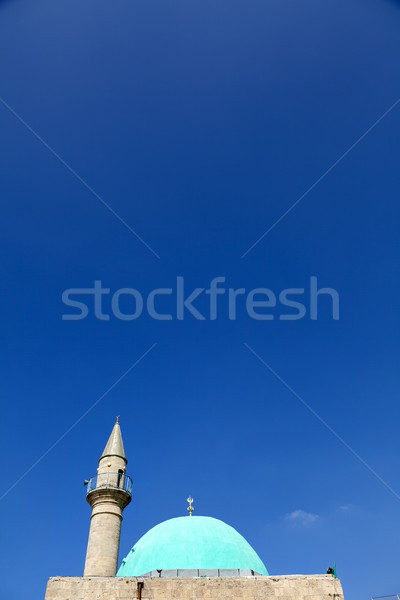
<point x="105" y="480"/>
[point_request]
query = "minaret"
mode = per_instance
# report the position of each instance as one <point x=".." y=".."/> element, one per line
<point x="108" y="493"/>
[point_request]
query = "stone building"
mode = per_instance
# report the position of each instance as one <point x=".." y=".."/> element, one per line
<point x="185" y="558"/>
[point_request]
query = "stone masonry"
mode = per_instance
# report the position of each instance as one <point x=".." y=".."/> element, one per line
<point x="108" y="499"/>
<point x="285" y="587"/>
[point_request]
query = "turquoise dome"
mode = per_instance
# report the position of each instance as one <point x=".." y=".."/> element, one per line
<point x="190" y="543"/>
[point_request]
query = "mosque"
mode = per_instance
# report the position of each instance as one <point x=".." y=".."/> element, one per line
<point x="184" y="558"/>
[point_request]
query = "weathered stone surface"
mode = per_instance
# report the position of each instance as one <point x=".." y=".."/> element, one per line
<point x="285" y="587"/>
<point x="105" y="529"/>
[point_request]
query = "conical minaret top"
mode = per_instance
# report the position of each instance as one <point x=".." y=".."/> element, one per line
<point x="115" y="445"/>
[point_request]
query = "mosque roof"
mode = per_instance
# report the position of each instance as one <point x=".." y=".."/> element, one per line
<point x="190" y="543"/>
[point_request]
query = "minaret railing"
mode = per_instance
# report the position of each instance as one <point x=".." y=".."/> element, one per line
<point x="111" y="480"/>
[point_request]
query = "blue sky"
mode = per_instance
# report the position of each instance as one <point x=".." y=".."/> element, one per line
<point x="200" y="124"/>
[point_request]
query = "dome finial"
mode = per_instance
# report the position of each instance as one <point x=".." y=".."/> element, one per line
<point x="190" y="507"/>
<point x="117" y="418"/>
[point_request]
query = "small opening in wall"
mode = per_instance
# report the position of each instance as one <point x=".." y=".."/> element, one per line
<point x="120" y="473"/>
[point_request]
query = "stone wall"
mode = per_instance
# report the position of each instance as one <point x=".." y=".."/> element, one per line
<point x="285" y="587"/>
